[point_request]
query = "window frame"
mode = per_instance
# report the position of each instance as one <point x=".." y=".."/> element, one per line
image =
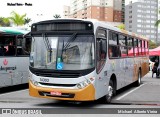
<point x="101" y="61"/>
<point x="115" y="45"/>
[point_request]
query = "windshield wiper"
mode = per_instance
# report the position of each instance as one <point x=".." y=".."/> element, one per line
<point x="64" y="47"/>
<point x="48" y="45"/>
<point x="73" y="37"/>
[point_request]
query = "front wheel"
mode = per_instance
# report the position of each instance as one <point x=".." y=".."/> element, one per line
<point x="111" y="90"/>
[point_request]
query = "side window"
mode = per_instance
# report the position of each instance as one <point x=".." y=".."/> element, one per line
<point x="101" y="48"/>
<point x="130" y="47"/>
<point x="122" y="40"/>
<point x="123" y="45"/>
<point x="146" y="47"/>
<point x="113" y="51"/>
<point x="143" y="48"/>
<point x="113" y="38"/>
<point x="7" y="46"/>
<point x="140" y="47"/>
<point x="136" y="51"/>
<point x="113" y="48"/>
<point x="23" y="46"/>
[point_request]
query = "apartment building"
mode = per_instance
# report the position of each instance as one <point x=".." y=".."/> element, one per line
<point x="66" y="11"/>
<point x="103" y="10"/>
<point x="141" y="16"/>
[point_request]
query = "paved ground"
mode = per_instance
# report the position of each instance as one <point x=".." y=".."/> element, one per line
<point x="147" y="93"/>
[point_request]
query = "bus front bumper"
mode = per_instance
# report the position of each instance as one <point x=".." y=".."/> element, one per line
<point x="85" y="94"/>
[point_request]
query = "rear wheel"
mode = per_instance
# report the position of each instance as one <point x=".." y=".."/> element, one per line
<point x="138" y="82"/>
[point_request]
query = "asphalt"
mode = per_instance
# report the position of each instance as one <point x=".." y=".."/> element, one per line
<point x="147" y="93"/>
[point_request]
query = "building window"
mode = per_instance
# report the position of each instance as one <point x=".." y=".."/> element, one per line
<point x="139" y="25"/>
<point x="139" y="30"/>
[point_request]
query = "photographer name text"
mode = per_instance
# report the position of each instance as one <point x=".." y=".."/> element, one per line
<point x="19" y="4"/>
<point x="148" y="111"/>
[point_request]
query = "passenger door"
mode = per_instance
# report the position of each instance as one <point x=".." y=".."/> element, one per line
<point x="101" y="52"/>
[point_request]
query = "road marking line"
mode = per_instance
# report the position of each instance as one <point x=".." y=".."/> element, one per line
<point x="130" y="92"/>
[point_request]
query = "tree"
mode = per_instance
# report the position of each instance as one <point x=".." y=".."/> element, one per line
<point x="27" y="20"/>
<point x="152" y="44"/>
<point x="56" y="16"/>
<point x="121" y="26"/>
<point x="17" y="19"/>
<point x="157" y="22"/>
<point x="4" y="21"/>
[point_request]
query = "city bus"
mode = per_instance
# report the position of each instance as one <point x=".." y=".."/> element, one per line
<point x="84" y="60"/>
<point x="14" y="56"/>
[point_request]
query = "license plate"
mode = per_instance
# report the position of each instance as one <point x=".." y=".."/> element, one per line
<point x="56" y="93"/>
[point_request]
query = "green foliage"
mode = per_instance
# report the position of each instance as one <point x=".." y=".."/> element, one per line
<point x="121" y="26"/>
<point x="27" y="20"/>
<point x="157" y="23"/>
<point x="56" y="16"/>
<point x="17" y="19"/>
<point x="152" y="44"/>
<point x="4" y="21"/>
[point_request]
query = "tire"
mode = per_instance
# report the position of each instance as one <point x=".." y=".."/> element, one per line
<point x="138" y="82"/>
<point x="111" y="91"/>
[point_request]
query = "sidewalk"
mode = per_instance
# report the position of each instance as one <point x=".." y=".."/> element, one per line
<point x="148" y="79"/>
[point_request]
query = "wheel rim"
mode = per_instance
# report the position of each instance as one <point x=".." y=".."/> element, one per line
<point x="139" y="78"/>
<point x="110" y="91"/>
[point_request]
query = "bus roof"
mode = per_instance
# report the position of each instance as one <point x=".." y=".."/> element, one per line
<point x="98" y="23"/>
<point x="108" y="26"/>
<point x="12" y="31"/>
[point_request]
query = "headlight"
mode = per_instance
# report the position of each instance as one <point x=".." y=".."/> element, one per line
<point x="32" y="80"/>
<point x="85" y="83"/>
<point x="36" y="83"/>
<point x="79" y="86"/>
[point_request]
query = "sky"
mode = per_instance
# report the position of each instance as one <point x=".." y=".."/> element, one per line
<point x="40" y="9"/>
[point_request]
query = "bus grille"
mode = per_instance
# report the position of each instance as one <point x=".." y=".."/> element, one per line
<point x="57" y="74"/>
<point x="60" y="85"/>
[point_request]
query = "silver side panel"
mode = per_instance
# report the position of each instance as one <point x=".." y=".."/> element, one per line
<point x="13" y="70"/>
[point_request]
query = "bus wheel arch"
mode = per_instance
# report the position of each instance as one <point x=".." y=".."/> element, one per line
<point x="111" y="87"/>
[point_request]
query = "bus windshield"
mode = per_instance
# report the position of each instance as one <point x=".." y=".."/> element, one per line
<point x="62" y="52"/>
